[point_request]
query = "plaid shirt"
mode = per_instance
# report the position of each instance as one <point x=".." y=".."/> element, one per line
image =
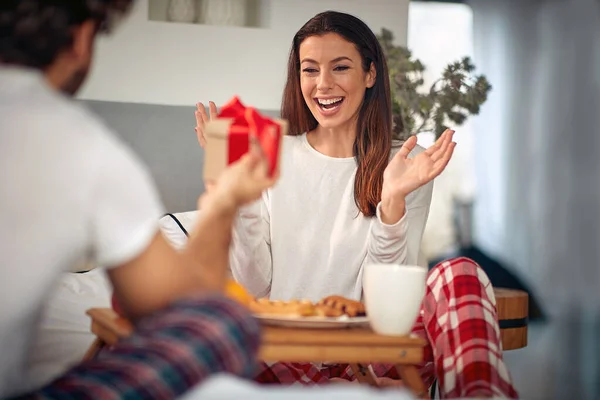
<point x="459" y="321"/>
<point x="169" y="353"/>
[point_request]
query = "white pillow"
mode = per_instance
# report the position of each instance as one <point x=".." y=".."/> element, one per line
<point x="64" y="334"/>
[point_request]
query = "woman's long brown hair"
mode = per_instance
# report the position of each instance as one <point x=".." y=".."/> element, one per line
<point x="374" y="128"/>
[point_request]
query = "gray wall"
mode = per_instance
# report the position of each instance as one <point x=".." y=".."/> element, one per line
<point x="164" y="138"/>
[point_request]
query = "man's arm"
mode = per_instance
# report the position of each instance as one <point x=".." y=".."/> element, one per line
<point x="168" y="353"/>
<point x="160" y="275"/>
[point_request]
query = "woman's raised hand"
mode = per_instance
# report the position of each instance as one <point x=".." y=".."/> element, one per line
<point x="403" y="175"/>
<point x="202" y="119"/>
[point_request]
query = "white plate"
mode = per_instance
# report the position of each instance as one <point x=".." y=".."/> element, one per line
<point x="314" y="322"/>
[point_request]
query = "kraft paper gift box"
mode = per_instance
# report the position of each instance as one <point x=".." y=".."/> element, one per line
<point x="228" y="137"/>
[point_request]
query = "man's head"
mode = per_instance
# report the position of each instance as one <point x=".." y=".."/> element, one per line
<point x="55" y="36"/>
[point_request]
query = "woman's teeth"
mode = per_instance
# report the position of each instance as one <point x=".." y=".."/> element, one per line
<point x="328" y="104"/>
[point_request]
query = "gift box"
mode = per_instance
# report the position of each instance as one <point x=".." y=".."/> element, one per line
<point x="229" y="136"/>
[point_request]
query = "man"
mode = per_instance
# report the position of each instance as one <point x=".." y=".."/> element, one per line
<point x="71" y="191"/>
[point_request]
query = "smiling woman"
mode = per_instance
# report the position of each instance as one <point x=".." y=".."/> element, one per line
<point x="349" y="197"/>
<point x="336" y="61"/>
<point x="326" y="82"/>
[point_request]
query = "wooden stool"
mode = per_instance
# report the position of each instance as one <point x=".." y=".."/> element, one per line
<point x="513" y="312"/>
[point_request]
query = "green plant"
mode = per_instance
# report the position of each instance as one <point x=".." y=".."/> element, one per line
<point x="457" y="94"/>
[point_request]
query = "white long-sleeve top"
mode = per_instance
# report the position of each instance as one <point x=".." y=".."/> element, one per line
<point x="306" y="239"/>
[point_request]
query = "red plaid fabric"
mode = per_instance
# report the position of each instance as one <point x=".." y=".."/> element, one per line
<point x="459" y="321"/>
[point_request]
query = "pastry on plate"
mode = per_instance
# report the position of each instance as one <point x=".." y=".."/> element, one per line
<point x="352" y="308"/>
<point x="330" y="307"/>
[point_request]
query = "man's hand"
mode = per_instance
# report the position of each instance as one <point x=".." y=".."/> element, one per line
<point x="241" y="183"/>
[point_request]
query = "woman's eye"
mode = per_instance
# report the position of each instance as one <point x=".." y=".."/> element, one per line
<point x="341" y="68"/>
<point x="309" y="70"/>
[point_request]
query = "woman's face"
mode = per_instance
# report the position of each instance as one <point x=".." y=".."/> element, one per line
<point x="332" y="79"/>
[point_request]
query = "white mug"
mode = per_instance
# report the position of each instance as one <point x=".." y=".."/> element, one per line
<point x="393" y="295"/>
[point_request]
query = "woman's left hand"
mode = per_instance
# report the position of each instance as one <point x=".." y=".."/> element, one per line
<point x="403" y="175"/>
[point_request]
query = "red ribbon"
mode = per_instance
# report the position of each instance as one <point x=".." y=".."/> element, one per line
<point x="248" y="123"/>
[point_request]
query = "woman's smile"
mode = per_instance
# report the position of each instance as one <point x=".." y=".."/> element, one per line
<point x="329" y="106"/>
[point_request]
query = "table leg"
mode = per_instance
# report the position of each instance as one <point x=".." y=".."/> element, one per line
<point x="364" y="374"/>
<point x="412" y="379"/>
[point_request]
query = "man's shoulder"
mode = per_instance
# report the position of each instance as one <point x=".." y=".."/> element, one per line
<point x="75" y="115"/>
<point x="70" y="122"/>
<point x="59" y="132"/>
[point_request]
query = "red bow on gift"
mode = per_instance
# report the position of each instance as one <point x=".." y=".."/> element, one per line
<point x="248" y="123"/>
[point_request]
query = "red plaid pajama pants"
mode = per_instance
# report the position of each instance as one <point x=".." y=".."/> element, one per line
<point x="458" y="319"/>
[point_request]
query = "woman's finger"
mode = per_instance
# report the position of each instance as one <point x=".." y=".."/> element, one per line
<point x="407" y="147"/>
<point x="440" y="164"/>
<point x="200" y="135"/>
<point x="202" y="111"/>
<point x="441" y="151"/>
<point x="213" y="110"/>
<point x="438" y="143"/>
<point x="199" y="120"/>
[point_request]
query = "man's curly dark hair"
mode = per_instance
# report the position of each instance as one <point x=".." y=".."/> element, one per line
<point x="34" y="32"/>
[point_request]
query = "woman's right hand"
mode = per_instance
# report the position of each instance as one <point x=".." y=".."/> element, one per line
<point x="202" y="119"/>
